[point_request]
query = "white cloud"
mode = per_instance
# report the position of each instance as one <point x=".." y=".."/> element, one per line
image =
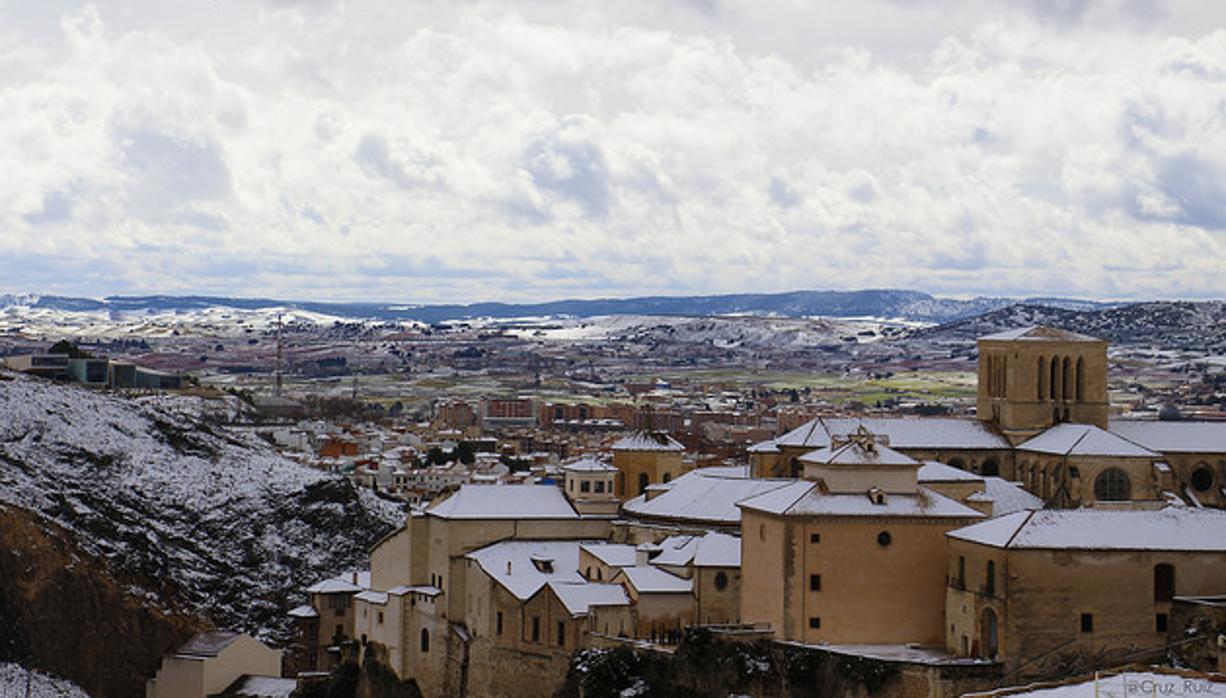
<point x="423" y="151"/>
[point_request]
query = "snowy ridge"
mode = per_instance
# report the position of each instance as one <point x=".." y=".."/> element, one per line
<point x="161" y="496"/>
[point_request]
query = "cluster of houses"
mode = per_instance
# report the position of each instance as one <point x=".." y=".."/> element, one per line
<point x="1036" y="539"/>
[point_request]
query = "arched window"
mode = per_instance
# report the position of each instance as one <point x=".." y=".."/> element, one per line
<point x="1081" y="379"/>
<point x="957" y="463"/>
<point x="1053" y="378"/>
<point x="1164" y="582"/>
<point x="989" y="642"/>
<point x="1112" y="485"/>
<point x="667" y="477"/>
<point x="1046" y="487"/>
<point x="991" y="468"/>
<point x="721" y="581"/>
<point x="425" y="640"/>
<point x="1202" y="478"/>
<point x="1066" y="377"/>
<point x="1042" y="382"/>
<point x="642" y="483"/>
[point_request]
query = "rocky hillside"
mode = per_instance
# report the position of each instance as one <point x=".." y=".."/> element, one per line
<point x="1198" y="326"/>
<point x="157" y="521"/>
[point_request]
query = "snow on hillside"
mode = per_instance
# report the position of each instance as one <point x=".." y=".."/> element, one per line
<point x="18" y="682"/>
<point x="162" y="496"/>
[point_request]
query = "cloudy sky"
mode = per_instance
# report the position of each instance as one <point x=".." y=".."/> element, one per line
<point x="440" y="151"/>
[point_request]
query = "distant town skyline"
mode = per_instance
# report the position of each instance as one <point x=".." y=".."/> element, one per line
<point x="545" y="150"/>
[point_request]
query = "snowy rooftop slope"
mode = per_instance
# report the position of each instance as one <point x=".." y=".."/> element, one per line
<point x="580" y="597"/>
<point x="932" y="471"/>
<point x="852" y="453"/>
<point x="648" y="441"/>
<point x="718" y="550"/>
<point x="162" y="497"/>
<point x="1174" y="437"/>
<point x="589" y="465"/>
<point x="612" y="554"/>
<point x="803" y="498"/>
<point x="532" y="564"/>
<point x="1084" y="440"/>
<point x="14" y="680"/>
<point x="1008" y="497"/>
<point x="676" y="551"/>
<point x="504" y="502"/>
<point x="647" y="579"/>
<point x="701" y="496"/>
<point x="1172" y="528"/>
<point x="902" y="432"/>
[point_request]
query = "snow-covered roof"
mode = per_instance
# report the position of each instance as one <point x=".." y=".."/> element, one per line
<point x="764" y="447"/>
<point x="718" y="550"/>
<point x="263" y="687"/>
<point x="589" y="465"/>
<point x="854" y="453"/>
<point x="1007" y="497"/>
<point x="803" y="498"/>
<point x="1084" y="440"/>
<point x="1174" y="437"/>
<point x="347" y="583"/>
<point x="579" y="597"/>
<point x="1040" y="333"/>
<point x="702" y="497"/>
<point x="1172" y="528"/>
<point x="902" y="432"/>
<point x="375" y="597"/>
<point x="504" y="502"/>
<point x="648" y="441"/>
<point x="676" y="551"/>
<point x="612" y="554"/>
<point x="648" y="579"/>
<point x="527" y="578"/>
<point x="932" y="471"/>
<point x="208" y="644"/>
<point x="303" y="611"/>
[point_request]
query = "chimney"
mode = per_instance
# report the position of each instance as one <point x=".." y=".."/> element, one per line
<point x="355" y="578"/>
<point x="508" y="567"/>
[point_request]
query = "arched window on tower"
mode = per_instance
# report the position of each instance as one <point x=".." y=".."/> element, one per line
<point x="1081" y="378"/>
<point x="1066" y="377"/>
<point x="1042" y="382"/>
<point x="1053" y="377"/>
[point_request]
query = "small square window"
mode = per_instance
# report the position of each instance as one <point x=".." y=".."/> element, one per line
<point x="815" y="622"/>
<point x="815" y="582"/>
<point x="1160" y="623"/>
<point x="815" y="537"/>
<point x="1087" y="622"/>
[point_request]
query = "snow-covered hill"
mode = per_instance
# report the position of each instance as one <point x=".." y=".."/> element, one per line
<point x="17" y="682"/>
<point x="216" y="516"/>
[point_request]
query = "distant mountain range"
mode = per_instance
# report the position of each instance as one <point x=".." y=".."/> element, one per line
<point x="883" y="303"/>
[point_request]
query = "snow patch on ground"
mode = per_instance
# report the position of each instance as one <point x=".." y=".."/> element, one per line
<point x="19" y="682"/>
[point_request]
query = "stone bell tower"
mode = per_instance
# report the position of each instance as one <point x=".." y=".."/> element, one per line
<point x="1034" y="377"/>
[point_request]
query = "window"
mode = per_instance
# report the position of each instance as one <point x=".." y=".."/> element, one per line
<point x="1112" y="485"/>
<point x="572" y="486"/>
<point x="561" y="633"/>
<point x="1160" y="623"/>
<point x="990" y="587"/>
<point x="815" y="622"/>
<point x="340" y="631"/>
<point x="884" y="539"/>
<point x="815" y="582"/>
<point x="585" y="486"/>
<point x="425" y="640"/>
<point x="338" y="603"/>
<point x="1087" y="622"/>
<point x="642" y="483"/>
<point x="990" y="468"/>
<point x="600" y="487"/>
<point x="815" y="537"/>
<point x="667" y="477"/>
<point x="1202" y="479"/>
<point x="536" y="628"/>
<point x="1164" y="582"/>
<point x="498" y="623"/>
<point x="721" y="581"/>
<point x="961" y="572"/>
<point x="380" y="618"/>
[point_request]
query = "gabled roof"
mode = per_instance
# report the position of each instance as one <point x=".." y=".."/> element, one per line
<point x="803" y="498"/>
<point x="1174" y="528"/>
<point x="497" y="502"/>
<point x="902" y="433"/>
<point x="1174" y="437"/>
<point x="612" y="554"/>
<point x="706" y="495"/>
<point x="854" y="453"/>
<point x="589" y="465"/>
<point x="208" y="644"/>
<point x="718" y="550"/>
<point x="648" y="579"/>
<point x="526" y="578"/>
<point x="1008" y="497"/>
<point x="932" y="471"/>
<point x="348" y="583"/>
<point x="579" y="597"/>
<point x="1084" y="440"/>
<point x="1039" y="333"/>
<point x="648" y="441"/>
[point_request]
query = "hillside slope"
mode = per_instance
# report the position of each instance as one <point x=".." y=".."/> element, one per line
<point x="186" y="516"/>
